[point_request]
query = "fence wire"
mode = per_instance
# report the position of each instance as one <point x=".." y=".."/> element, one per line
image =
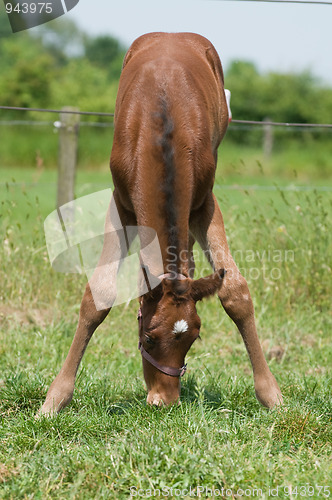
<point x="234" y="125"/>
<point x="99" y="113"/>
<point x="52" y="124"/>
<point x="310" y="2"/>
<point x="58" y="111"/>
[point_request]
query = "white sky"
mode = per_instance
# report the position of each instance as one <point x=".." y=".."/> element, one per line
<point x="280" y="37"/>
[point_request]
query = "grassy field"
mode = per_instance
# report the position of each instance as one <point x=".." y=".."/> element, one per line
<point x="220" y="441"/>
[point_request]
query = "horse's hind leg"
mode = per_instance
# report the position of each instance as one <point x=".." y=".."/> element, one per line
<point x="235" y="298"/>
<point x="191" y="258"/>
<point x="100" y="294"/>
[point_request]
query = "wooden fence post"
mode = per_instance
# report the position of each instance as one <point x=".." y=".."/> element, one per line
<point x="68" y="146"/>
<point x="267" y="138"/>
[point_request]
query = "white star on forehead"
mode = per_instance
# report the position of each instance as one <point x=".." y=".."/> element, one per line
<point x="180" y="326"/>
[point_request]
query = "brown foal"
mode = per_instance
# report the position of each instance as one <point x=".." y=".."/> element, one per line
<point x="170" y="118"/>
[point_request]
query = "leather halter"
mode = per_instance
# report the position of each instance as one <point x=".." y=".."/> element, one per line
<point x="168" y="370"/>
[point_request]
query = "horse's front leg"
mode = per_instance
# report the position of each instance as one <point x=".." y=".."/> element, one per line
<point x="235" y="298"/>
<point x="99" y="296"/>
<point x="61" y="390"/>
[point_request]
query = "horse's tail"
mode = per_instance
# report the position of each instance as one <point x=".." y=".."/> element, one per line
<point x="168" y="185"/>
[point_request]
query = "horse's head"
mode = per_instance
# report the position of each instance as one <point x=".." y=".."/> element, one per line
<point x="168" y="326"/>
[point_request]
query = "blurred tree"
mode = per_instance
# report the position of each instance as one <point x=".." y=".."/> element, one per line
<point x="107" y="53"/>
<point x="27" y="71"/>
<point x="245" y="83"/>
<point x="5" y="28"/>
<point x="84" y="85"/>
<point x="62" y="38"/>
<point x="58" y="64"/>
<point x="290" y="98"/>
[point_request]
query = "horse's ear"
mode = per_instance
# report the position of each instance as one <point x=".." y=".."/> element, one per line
<point x="204" y="287"/>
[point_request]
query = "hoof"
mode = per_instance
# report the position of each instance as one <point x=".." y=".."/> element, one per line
<point x="268" y="392"/>
<point x="58" y="397"/>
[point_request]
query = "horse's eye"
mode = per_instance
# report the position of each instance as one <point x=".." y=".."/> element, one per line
<point x="149" y="339"/>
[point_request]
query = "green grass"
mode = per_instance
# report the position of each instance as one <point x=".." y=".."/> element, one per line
<point x="108" y="441"/>
<point x="26" y="146"/>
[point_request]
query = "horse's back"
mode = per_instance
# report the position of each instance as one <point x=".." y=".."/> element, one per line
<point x="183" y="67"/>
<point x="178" y="75"/>
<point x="186" y="48"/>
